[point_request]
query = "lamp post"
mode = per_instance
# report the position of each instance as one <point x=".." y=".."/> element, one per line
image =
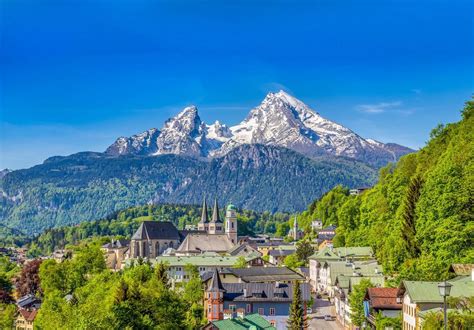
<point x="444" y="291"/>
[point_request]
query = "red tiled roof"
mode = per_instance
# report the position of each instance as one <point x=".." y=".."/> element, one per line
<point x="29" y="315"/>
<point x="383" y="298"/>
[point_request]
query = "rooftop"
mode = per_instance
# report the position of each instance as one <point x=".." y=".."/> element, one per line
<point x="383" y="298"/>
<point x="199" y="260"/>
<point x="205" y="242"/>
<point x="266" y="274"/>
<point x="156" y="230"/>
<point x="251" y="321"/>
<point x="428" y="292"/>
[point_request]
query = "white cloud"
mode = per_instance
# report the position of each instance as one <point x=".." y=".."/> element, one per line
<point x="378" y="107"/>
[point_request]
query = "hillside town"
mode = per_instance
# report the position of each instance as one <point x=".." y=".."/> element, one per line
<point x="249" y="282"/>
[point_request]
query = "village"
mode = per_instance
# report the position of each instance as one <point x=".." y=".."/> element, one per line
<point x="250" y="282"/>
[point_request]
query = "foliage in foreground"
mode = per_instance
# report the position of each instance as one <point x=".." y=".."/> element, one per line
<point x="82" y="293"/>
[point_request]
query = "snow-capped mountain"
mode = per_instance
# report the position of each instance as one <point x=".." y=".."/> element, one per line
<point x="280" y="120"/>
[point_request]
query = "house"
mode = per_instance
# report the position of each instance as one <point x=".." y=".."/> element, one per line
<point x="115" y="253"/>
<point x="327" y="233"/>
<point x="25" y="319"/>
<point x="270" y="300"/>
<point x="343" y="287"/>
<point x="243" y="249"/>
<point x="381" y="300"/>
<point x="331" y="269"/>
<point x="357" y="191"/>
<point x="257" y="275"/>
<point x="205" y="262"/>
<point x="277" y="257"/>
<point x="241" y="322"/>
<point x="317" y="260"/>
<point x="197" y="243"/>
<point x="418" y="297"/>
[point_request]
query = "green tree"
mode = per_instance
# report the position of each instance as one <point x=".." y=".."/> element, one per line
<point x="292" y="261"/>
<point x="297" y="319"/>
<point x="409" y="214"/>
<point x="304" y="250"/>
<point x="356" y="301"/>
<point x="7" y="315"/>
<point x="240" y="263"/>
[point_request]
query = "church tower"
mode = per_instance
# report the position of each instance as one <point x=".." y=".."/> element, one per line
<point x="203" y="224"/>
<point x="295" y="229"/>
<point x="216" y="225"/>
<point x="231" y="223"/>
<point x="214" y="299"/>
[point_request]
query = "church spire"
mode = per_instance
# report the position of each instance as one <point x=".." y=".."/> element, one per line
<point x="204" y="218"/>
<point x="215" y="213"/>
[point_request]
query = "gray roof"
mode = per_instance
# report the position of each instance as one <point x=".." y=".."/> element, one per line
<point x="242" y="250"/>
<point x="156" y="230"/>
<point x="266" y="274"/>
<point x="28" y="301"/>
<point x="280" y="253"/>
<point x="197" y="243"/>
<point x="263" y="292"/>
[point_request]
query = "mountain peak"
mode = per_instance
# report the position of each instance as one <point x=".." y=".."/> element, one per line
<point x="279" y="120"/>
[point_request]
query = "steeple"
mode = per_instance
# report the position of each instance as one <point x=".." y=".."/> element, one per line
<point x="215" y="213"/>
<point x="204" y="218"/>
<point x="215" y="285"/>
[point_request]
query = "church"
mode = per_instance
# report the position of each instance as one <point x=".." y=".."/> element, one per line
<point x="213" y="235"/>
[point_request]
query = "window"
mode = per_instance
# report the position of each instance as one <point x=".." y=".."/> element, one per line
<point x="261" y="311"/>
<point x="232" y="308"/>
<point x="273" y="323"/>
<point x="272" y="311"/>
<point x="249" y="308"/>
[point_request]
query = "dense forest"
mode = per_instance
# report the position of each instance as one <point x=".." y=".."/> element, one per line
<point x="419" y="216"/>
<point x="124" y="223"/>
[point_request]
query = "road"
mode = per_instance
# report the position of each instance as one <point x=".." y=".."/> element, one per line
<point x="321" y="308"/>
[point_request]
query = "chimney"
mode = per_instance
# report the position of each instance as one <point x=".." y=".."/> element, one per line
<point x="245" y="292"/>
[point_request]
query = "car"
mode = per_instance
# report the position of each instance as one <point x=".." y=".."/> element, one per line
<point x="309" y="310"/>
<point x="327" y="318"/>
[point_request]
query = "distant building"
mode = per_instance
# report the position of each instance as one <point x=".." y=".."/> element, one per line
<point x="277" y="257"/>
<point x="329" y="254"/>
<point x="256" y="275"/>
<point x="270" y="300"/>
<point x="295" y="233"/>
<point x="153" y="238"/>
<point x="115" y="253"/>
<point x="357" y="191"/>
<point x="326" y="233"/>
<point x="25" y="319"/>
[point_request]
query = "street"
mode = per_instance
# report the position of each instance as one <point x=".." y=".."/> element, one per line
<point x="317" y="322"/>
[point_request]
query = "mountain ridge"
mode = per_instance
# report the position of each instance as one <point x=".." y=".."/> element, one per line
<point x="280" y="120"/>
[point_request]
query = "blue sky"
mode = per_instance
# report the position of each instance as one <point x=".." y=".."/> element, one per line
<point x="74" y="75"/>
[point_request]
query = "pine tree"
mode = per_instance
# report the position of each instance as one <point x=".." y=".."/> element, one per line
<point x="297" y="319"/>
<point x="409" y="215"/>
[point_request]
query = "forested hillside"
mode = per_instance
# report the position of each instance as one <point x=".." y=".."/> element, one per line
<point x="87" y="186"/>
<point x="419" y="216"/>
